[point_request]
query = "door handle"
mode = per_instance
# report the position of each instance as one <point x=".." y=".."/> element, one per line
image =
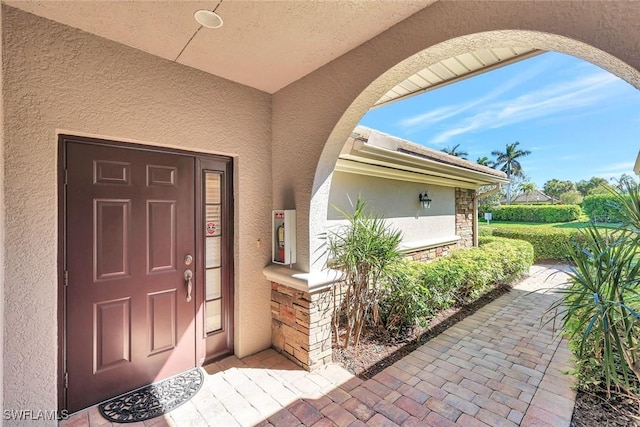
<point x="188" y="275"/>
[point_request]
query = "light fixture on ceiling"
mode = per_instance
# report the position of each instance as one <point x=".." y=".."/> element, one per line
<point x="208" y="18"/>
<point x="425" y="200"/>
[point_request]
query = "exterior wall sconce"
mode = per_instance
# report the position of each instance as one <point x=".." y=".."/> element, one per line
<point x="425" y="200"/>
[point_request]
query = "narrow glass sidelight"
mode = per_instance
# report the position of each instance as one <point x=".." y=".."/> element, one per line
<point x="213" y="251"/>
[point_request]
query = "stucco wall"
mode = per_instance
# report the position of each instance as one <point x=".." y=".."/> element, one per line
<point x="1" y="218"/>
<point x="315" y="115"/>
<point x="397" y="202"/>
<point x="59" y="78"/>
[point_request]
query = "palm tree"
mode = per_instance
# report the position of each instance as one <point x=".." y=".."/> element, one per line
<point x="485" y="161"/>
<point x="508" y="163"/>
<point x="453" y="151"/>
<point x="528" y="188"/>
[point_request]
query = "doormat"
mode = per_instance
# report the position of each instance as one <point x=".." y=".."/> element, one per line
<point x="153" y="400"/>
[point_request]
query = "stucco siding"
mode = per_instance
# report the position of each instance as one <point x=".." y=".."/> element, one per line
<point x="2" y="210"/>
<point x="397" y="202"/>
<point x="59" y="79"/>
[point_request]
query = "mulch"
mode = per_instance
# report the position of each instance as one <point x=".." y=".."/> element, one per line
<point x="379" y="348"/>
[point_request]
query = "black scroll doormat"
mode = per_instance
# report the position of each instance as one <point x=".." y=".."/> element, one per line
<point x="153" y="400"/>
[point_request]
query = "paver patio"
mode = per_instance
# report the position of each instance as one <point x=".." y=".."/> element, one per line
<point x="497" y="367"/>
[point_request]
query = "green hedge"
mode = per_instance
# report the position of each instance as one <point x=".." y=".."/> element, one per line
<point x="548" y="243"/>
<point x="538" y="213"/>
<point x="415" y="291"/>
<point x="601" y="208"/>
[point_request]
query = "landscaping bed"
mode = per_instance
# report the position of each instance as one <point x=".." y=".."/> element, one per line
<point x="379" y="348"/>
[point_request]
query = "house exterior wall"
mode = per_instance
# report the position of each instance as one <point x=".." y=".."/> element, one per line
<point x="397" y="202"/>
<point x="2" y="216"/>
<point x="323" y="108"/>
<point x="61" y="79"/>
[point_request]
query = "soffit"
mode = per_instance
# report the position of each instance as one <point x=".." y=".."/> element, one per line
<point x="455" y="69"/>
<point x="263" y="44"/>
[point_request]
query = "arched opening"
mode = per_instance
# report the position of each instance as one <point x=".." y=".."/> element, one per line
<point x="444" y="50"/>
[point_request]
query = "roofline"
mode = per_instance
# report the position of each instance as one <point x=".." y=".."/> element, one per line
<point x="367" y="137"/>
<point x="366" y="159"/>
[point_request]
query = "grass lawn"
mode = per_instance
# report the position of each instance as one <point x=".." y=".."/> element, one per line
<point x="562" y="225"/>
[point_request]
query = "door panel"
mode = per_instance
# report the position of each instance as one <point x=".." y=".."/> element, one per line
<point x="111" y="231"/>
<point x="129" y="225"/>
<point x="112" y="334"/>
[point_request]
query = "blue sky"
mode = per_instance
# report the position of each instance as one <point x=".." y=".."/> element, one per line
<point x="577" y="120"/>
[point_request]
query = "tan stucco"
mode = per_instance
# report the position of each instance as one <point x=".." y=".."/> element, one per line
<point x="317" y="113"/>
<point x="56" y="78"/>
<point x="2" y="217"/>
<point x="259" y="44"/>
<point x="60" y="79"/>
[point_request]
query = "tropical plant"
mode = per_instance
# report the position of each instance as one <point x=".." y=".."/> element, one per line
<point x="555" y="187"/>
<point x="453" y="151"/>
<point x="527" y="188"/>
<point x="508" y="162"/>
<point x="601" y="309"/>
<point x="485" y="161"/>
<point x="363" y="250"/>
<point x="623" y="182"/>
<point x="595" y="185"/>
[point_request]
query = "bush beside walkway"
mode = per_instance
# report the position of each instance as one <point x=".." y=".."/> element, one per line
<point x="414" y="291"/>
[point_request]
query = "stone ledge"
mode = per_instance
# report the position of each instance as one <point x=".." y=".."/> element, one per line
<point x="428" y="244"/>
<point x="306" y="282"/>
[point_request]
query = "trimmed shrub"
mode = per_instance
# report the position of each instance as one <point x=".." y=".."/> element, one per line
<point x="405" y="302"/>
<point x="415" y="291"/>
<point x="548" y="243"/>
<point x="538" y="213"/>
<point x="516" y="256"/>
<point x="602" y="208"/>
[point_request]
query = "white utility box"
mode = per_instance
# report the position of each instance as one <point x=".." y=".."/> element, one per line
<point x="283" y="226"/>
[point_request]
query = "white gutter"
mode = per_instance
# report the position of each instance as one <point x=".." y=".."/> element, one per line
<point x="385" y="157"/>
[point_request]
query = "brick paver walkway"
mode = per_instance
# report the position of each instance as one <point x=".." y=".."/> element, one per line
<point x="498" y="367"/>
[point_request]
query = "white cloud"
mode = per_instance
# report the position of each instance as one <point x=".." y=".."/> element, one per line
<point x="617" y="167"/>
<point x="420" y="121"/>
<point x="551" y="100"/>
<point x="614" y="170"/>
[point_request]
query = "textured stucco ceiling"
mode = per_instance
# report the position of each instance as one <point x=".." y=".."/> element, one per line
<point x="263" y="44"/>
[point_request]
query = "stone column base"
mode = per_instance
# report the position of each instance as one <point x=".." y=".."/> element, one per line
<point x="301" y="315"/>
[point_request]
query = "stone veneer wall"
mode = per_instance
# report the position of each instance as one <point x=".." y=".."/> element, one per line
<point x="465" y="216"/>
<point x="301" y="324"/>
<point x="430" y="254"/>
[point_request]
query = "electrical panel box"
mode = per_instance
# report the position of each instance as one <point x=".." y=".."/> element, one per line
<point x="283" y="225"/>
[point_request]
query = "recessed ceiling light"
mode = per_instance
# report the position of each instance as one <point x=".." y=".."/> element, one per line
<point x="208" y="18"/>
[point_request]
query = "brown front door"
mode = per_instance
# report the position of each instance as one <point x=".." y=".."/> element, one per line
<point x="129" y="232"/>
